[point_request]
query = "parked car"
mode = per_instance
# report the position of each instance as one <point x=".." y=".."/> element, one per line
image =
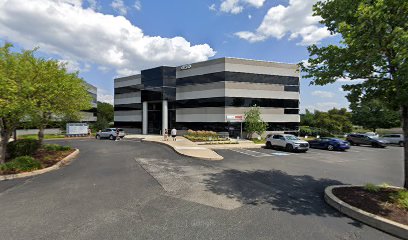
<point x="394" y="139"/>
<point x="329" y="144"/>
<point x="372" y="134"/>
<point x="110" y="133"/>
<point x="286" y="141"/>
<point x="362" y="139"/>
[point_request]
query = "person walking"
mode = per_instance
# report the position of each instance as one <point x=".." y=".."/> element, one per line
<point x="117" y="135"/>
<point x="166" y="135"/>
<point x="174" y="134"/>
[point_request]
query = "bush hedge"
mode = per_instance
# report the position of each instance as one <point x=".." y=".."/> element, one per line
<point x="23" y="147"/>
<point x="20" y="164"/>
<point x="56" y="147"/>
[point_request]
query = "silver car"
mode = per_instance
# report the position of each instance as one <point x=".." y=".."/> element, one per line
<point x="394" y="139"/>
<point x="110" y="133"/>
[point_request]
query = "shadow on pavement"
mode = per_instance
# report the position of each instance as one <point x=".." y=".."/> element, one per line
<point x="301" y="194"/>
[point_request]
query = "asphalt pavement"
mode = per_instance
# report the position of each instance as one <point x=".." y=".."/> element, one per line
<point x="137" y="190"/>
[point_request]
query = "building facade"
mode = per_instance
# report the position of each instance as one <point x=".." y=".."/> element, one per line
<point x="203" y="96"/>
<point x="90" y="115"/>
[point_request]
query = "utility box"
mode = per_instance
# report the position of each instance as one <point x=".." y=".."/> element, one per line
<point x="77" y="129"/>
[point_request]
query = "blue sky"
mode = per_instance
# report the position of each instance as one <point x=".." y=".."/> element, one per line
<point x="103" y="39"/>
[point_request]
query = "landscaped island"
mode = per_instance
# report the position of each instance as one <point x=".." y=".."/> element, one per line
<point x="27" y="155"/>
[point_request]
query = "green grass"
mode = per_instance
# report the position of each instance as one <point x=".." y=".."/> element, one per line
<point x="46" y="136"/>
<point x="20" y="164"/>
<point x="401" y="198"/>
<point x="258" y="141"/>
<point x="372" y="187"/>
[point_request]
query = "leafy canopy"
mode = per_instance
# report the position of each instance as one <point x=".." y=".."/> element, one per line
<point x="253" y="121"/>
<point x="373" y="114"/>
<point x="374" y="47"/>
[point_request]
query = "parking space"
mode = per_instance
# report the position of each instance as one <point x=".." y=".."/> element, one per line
<point x="358" y="165"/>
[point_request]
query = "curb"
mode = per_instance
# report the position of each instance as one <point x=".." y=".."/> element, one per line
<point x="58" y="165"/>
<point x="175" y="150"/>
<point x="383" y="224"/>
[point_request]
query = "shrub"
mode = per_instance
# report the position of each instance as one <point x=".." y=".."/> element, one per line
<point x="371" y="187"/>
<point x="23" y="147"/>
<point x="20" y="164"/>
<point x="401" y="198"/>
<point x="204" y="135"/>
<point x="56" y="147"/>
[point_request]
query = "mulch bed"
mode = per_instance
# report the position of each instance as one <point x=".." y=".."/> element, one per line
<point x="47" y="158"/>
<point x="378" y="203"/>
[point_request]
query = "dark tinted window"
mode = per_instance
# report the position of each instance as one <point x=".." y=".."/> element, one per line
<point x="277" y="137"/>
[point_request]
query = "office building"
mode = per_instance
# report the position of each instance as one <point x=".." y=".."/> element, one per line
<point x="208" y="95"/>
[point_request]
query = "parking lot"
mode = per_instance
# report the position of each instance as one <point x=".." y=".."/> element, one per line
<point x="358" y="165"/>
<point x="140" y="190"/>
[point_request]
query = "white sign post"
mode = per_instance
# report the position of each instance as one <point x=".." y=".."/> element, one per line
<point x="235" y="118"/>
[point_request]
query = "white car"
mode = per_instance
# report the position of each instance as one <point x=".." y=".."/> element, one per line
<point x="394" y="139"/>
<point x="110" y="133"/>
<point x="286" y="141"/>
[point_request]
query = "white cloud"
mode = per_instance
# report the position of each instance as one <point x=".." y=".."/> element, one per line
<point x="105" y="96"/>
<point x="249" y="16"/>
<point x="212" y="8"/>
<point x="138" y="5"/>
<point x="322" y="94"/>
<point x="65" y="29"/>
<point x="348" y="80"/>
<point x="321" y="106"/>
<point x="237" y="6"/>
<point x="119" y="6"/>
<point x="295" y="21"/>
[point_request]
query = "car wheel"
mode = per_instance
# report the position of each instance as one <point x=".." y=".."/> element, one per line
<point x="330" y="147"/>
<point x="401" y="144"/>
<point x="375" y="145"/>
<point x="268" y="145"/>
<point x="98" y="137"/>
<point x="111" y="137"/>
<point x="289" y="147"/>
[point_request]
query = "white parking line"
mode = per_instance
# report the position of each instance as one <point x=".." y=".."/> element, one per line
<point x="251" y="153"/>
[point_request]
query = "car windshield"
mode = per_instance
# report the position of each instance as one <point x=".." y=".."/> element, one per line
<point x="290" y="137"/>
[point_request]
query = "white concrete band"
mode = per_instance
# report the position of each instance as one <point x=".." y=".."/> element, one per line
<point x="165" y="124"/>
<point x="145" y="119"/>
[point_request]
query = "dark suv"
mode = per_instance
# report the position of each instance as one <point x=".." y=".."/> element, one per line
<point x="362" y="139"/>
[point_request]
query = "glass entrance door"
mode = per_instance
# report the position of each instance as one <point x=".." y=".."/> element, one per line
<point x="154" y="114"/>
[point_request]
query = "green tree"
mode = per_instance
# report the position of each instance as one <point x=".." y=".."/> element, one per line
<point x="56" y="94"/>
<point x="14" y="92"/>
<point x="307" y="119"/>
<point x="373" y="114"/>
<point x="334" y="121"/>
<point x="253" y="122"/>
<point x="374" y="47"/>
<point x="105" y="110"/>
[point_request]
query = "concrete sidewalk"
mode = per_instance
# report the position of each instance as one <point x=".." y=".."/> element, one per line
<point x="182" y="146"/>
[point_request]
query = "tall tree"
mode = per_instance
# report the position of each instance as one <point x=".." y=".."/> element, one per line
<point x="374" y="47"/>
<point x="374" y="114"/>
<point x="253" y="122"/>
<point x="57" y="94"/>
<point x="14" y="88"/>
<point x="105" y="110"/>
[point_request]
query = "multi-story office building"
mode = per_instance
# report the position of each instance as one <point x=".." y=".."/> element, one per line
<point x="204" y="96"/>
<point x="90" y="115"/>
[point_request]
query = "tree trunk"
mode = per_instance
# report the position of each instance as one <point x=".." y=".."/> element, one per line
<point x="404" y="111"/>
<point x="41" y="135"/>
<point x="5" y="137"/>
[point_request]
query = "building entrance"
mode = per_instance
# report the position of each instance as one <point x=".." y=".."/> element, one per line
<point x="154" y="113"/>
